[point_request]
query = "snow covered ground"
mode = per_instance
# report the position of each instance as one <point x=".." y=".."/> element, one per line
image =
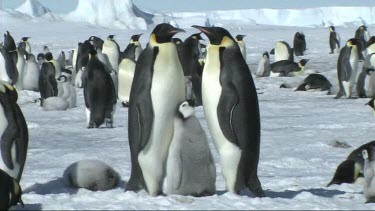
<point x="296" y="162"/>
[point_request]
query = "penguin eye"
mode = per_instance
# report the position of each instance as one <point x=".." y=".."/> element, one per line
<point x="184" y="105"/>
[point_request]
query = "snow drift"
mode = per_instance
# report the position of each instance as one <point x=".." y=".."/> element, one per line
<point x="323" y="16"/>
<point x="33" y="8"/>
<point x="108" y="13"/>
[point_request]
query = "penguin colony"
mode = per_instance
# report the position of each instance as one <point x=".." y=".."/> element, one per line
<point x="166" y="139"/>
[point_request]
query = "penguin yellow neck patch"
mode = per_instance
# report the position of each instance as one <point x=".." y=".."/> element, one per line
<point x="195" y="37"/>
<point x="226" y="42"/>
<point x="153" y="40"/>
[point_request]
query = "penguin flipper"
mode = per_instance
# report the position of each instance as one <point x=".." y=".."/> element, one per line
<point x="22" y="142"/>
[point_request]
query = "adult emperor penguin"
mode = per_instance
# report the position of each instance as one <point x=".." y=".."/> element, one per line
<point x="31" y="74"/>
<point x="47" y="81"/>
<point x="299" y="44"/>
<point x="56" y="64"/>
<point x="97" y="42"/>
<point x="41" y="58"/>
<point x="264" y="66"/>
<point x="230" y="104"/>
<point x="134" y="40"/>
<point x="288" y="68"/>
<point x="366" y="79"/>
<point x="26" y="44"/>
<point x="179" y="45"/>
<point x="347" y="66"/>
<point x="369" y="174"/>
<point x="241" y="44"/>
<point x="82" y="60"/>
<point x="8" y="60"/>
<point x="190" y="166"/>
<point x="351" y="169"/>
<point x="99" y="93"/>
<point x="362" y="35"/>
<point x="10" y="191"/>
<point x="334" y="40"/>
<point x="13" y="132"/>
<point x="157" y="90"/>
<point x="315" y="81"/>
<point x="283" y="51"/>
<point x="112" y="51"/>
<point x="191" y="66"/>
<point x="21" y="61"/>
<point x="126" y="74"/>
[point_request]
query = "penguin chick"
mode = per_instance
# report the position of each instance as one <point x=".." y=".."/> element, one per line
<point x="369" y="173"/>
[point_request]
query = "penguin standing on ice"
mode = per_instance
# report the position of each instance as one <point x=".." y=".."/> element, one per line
<point x="134" y="40"/>
<point x="111" y="51"/>
<point x="369" y="174"/>
<point x="288" y="68"/>
<point x="178" y="42"/>
<point x="97" y="42"/>
<point x="99" y="93"/>
<point x="20" y="67"/>
<point x="347" y="66"/>
<point x="10" y="191"/>
<point x="191" y="66"/>
<point x="370" y="46"/>
<point x="190" y="166"/>
<point x="41" y="58"/>
<point x="264" y="66"/>
<point x="62" y="60"/>
<point x="49" y="58"/>
<point x="362" y="35"/>
<point x="366" y="79"/>
<point x="157" y="90"/>
<point x="25" y="45"/>
<point x="231" y="108"/>
<point x="126" y="74"/>
<point x="241" y="44"/>
<point x="282" y="51"/>
<point x="68" y="92"/>
<point x="31" y="74"/>
<point x="82" y="60"/>
<point x="47" y="81"/>
<point x="299" y="44"/>
<point x="13" y="132"/>
<point x="69" y="61"/>
<point x="334" y="40"/>
<point x="8" y="60"/>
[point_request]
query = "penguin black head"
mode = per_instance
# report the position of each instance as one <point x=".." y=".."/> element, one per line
<point x="197" y="36"/>
<point x="62" y="79"/>
<point x="368" y="153"/>
<point x="177" y="41"/>
<point x="62" y="53"/>
<point x="24" y="39"/>
<point x="41" y="56"/>
<point x="303" y="62"/>
<point x="93" y="53"/>
<point x="369" y="71"/>
<point x="332" y="28"/>
<point x="371" y="41"/>
<point x="272" y="52"/>
<point x="371" y="103"/>
<point x="49" y="56"/>
<point x="45" y="48"/>
<point x="186" y="109"/>
<point x="135" y="37"/>
<point x="240" y="37"/>
<point x="110" y="37"/>
<point x="346" y="172"/>
<point x="265" y="54"/>
<point x="351" y="42"/>
<point x="216" y="35"/>
<point x="164" y="32"/>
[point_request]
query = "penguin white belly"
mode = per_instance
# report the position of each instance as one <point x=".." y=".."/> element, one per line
<point x="55" y="103"/>
<point x="20" y="68"/>
<point x="57" y="68"/>
<point x="260" y="69"/>
<point x="125" y="79"/>
<point x="354" y="64"/>
<point x="369" y="186"/>
<point x="138" y="52"/>
<point x="3" y="125"/>
<point x="230" y="154"/>
<point x="272" y="74"/>
<point x="78" y="79"/>
<point x="110" y="49"/>
<point x="370" y="85"/>
<point x="242" y="46"/>
<point x="167" y="91"/>
<point x="31" y="76"/>
<point x="370" y="49"/>
<point x="3" y="71"/>
<point x="28" y="48"/>
<point x="281" y="52"/>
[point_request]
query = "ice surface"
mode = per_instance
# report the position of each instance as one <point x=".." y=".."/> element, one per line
<point x="33" y="8"/>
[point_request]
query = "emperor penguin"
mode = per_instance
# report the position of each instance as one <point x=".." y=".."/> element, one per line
<point x="241" y="44"/>
<point x="134" y="40"/>
<point x="231" y="108"/>
<point x="9" y="43"/>
<point x="112" y="51"/>
<point x="10" y="191"/>
<point x="299" y="44"/>
<point x="190" y="165"/>
<point x="20" y="67"/>
<point x="126" y="74"/>
<point x="53" y="104"/>
<point x="67" y="91"/>
<point x="347" y="66"/>
<point x="69" y="61"/>
<point x="8" y="60"/>
<point x="97" y="42"/>
<point x="31" y="74"/>
<point x="178" y="42"/>
<point x="366" y="79"/>
<point x="264" y="66"/>
<point x="288" y="68"/>
<point x="62" y="60"/>
<point x="75" y="62"/>
<point x="362" y="35"/>
<point x="369" y="174"/>
<point x="315" y="81"/>
<point x="45" y="49"/>
<point x="56" y="64"/>
<point x="99" y="93"/>
<point x="157" y="90"/>
<point x="41" y="58"/>
<point x="24" y="44"/>
<point x="13" y="132"/>
<point x="190" y="64"/>
<point x="334" y="40"/>
<point x="82" y="60"/>
<point x="47" y="81"/>
<point x="351" y="169"/>
<point x="370" y="46"/>
<point x="94" y="175"/>
<point x="283" y="51"/>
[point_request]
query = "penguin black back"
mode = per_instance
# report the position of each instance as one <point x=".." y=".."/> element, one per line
<point x="299" y="44"/>
<point x="9" y="43"/>
<point x="47" y="82"/>
<point x="83" y="54"/>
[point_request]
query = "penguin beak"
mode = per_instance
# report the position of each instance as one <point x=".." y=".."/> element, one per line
<point x="202" y="29"/>
<point x="175" y="31"/>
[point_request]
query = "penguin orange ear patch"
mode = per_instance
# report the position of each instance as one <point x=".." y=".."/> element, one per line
<point x="2" y="88"/>
<point x="226" y="42"/>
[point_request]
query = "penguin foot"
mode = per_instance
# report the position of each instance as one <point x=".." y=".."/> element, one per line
<point x="91" y="125"/>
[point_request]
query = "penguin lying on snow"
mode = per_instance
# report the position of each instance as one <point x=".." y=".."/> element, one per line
<point x="351" y="169"/>
<point x="10" y="191"/>
<point x="53" y="103"/>
<point x="190" y="165"/>
<point x="283" y="51"/>
<point x="369" y="174"/>
<point x="93" y="175"/>
<point x="288" y="68"/>
<point x="315" y="81"/>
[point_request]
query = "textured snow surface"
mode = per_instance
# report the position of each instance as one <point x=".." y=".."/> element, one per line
<point x="296" y="160"/>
